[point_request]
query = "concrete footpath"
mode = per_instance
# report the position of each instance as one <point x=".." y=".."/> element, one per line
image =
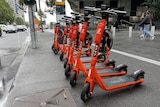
<point x="40" y="80"/>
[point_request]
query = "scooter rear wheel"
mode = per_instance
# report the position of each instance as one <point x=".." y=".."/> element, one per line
<point x="111" y="64"/>
<point x="73" y="79"/>
<point x="139" y="77"/>
<point x="85" y="94"/>
<point x="67" y="71"/>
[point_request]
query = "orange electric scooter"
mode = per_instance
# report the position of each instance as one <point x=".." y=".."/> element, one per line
<point x="70" y="43"/>
<point x="108" y="64"/>
<point x="58" y="33"/>
<point x="87" y="52"/>
<point x="106" y="83"/>
<point x="63" y="48"/>
<point x="74" y="42"/>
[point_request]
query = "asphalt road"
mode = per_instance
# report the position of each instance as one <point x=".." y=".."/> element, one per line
<point x="11" y="47"/>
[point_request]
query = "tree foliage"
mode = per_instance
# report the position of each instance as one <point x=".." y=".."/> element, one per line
<point x="6" y="13"/>
<point x="154" y="6"/>
<point x="19" y="21"/>
<point x="41" y="13"/>
<point x="21" y="4"/>
<point x="50" y="3"/>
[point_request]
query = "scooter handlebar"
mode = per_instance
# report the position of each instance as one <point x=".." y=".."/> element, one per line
<point x="75" y="13"/>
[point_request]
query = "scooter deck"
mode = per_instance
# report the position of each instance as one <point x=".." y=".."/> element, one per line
<point x="83" y="59"/>
<point x="101" y="65"/>
<point x="104" y="71"/>
<point x="111" y="81"/>
<point x="82" y="55"/>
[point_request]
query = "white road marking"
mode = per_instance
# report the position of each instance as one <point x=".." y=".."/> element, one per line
<point x="136" y="57"/>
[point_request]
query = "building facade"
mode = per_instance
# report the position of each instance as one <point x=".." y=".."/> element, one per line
<point x="15" y="6"/>
<point x="133" y="7"/>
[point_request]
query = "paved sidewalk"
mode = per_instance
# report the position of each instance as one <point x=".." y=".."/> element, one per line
<point x="41" y="74"/>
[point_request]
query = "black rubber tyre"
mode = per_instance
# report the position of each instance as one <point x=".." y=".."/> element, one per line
<point x="89" y="54"/>
<point x="67" y="71"/>
<point x="53" y="48"/>
<point x="56" y="51"/>
<point x="85" y="94"/>
<point x="73" y="79"/>
<point x="61" y="56"/>
<point x="111" y="64"/>
<point x="101" y="56"/>
<point x="65" y="63"/>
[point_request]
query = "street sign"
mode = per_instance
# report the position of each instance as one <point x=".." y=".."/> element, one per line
<point x="60" y="10"/>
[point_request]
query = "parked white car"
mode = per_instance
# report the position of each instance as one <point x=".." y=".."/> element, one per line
<point x="2" y="26"/>
<point x="20" y="28"/>
<point x="10" y="29"/>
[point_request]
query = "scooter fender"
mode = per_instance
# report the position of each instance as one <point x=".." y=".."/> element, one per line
<point x="111" y="61"/>
<point x="120" y="67"/>
<point x="137" y="73"/>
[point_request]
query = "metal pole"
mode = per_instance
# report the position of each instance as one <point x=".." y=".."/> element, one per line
<point x="40" y="15"/>
<point x="0" y="63"/>
<point x="31" y="22"/>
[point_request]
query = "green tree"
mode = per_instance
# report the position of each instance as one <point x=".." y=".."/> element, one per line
<point x="41" y="13"/>
<point x="19" y="21"/>
<point x="27" y="24"/>
<point x="154" y="6"/>
<point x="6" y="13"/>
<point x="22" y="5"/>
<point x="51" y="5"/>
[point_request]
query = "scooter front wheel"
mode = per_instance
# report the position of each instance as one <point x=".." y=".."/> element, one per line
<point x="73" y="79"/>
<point x="56" y="51"/>
<point x="89" y="54"/>
<point x="67" y="71"/>
<point x="61" y="56"/>
<point x="65" y="63"/>
<point x="85" y="94"/>
<point x="53" y="48"/>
